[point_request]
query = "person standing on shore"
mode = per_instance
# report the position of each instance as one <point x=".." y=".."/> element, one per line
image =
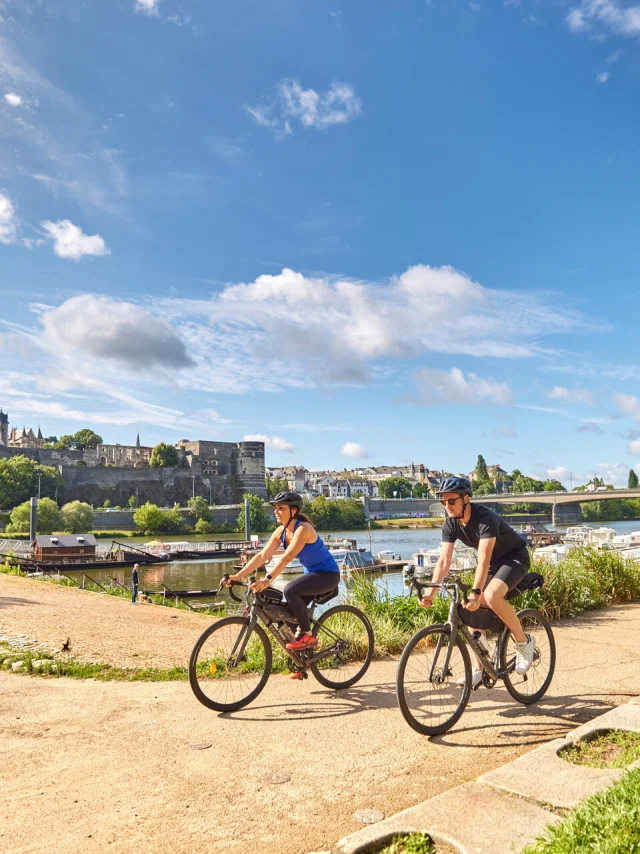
<point x="134" y="583"/>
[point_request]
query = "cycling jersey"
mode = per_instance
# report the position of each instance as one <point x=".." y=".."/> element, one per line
<point x="484" y="524"/>
<point x="315" y="557"/>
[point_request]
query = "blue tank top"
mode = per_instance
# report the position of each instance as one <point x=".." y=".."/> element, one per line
<point x="315" y="557"/>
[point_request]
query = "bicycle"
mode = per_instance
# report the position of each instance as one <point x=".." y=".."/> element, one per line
<point x="433" y="681"/>
<point x="231" y="661"/>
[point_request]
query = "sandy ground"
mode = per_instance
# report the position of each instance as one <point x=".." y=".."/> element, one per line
<point x="92" y="767"/>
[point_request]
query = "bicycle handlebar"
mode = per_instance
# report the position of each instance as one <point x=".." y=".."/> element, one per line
<point x="225" y="581"/>
<point x="450" y="585"/>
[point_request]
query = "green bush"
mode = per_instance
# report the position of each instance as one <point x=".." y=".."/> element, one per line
<point x="205" y="526"/>
<point x="48" y="518"/>
<point x="77" y="517"/>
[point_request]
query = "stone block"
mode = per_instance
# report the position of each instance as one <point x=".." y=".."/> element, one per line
<point x="17" y="665"/>
<point x="544" y="777"/>
<point x="472" y="819"/>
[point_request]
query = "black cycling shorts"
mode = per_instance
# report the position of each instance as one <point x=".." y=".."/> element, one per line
<point x="510" y="568"/>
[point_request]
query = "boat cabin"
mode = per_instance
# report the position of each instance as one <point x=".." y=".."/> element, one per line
<point x="59" y="547"/>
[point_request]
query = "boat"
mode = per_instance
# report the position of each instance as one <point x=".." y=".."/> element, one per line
<point x="422" y="563"/>
<point x="626" y="541"/>
<point x="554" y="553"/>
<point x="585" y="535"/>
<point x="388" y="556"/>
<point x="362" y="561"/>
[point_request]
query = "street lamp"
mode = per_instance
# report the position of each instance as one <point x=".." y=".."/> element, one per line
<point x="39" y="478"/>
<point x="193" y="486"/>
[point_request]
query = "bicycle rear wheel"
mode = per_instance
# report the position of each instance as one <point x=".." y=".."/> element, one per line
<point x="530" y="686"/>
<point x="346" y="635"/>
<point x="432" y="701"/>
<point x="222" y="679"/>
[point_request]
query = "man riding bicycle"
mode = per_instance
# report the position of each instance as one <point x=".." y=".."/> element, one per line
<point x="503" y="561"/>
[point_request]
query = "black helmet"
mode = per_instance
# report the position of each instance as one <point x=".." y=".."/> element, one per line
<point x="291" y="499"/>
<point x="461" y="485"/>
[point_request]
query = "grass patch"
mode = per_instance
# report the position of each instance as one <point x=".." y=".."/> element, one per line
<point x="414" y="843"/>
<point x="606" y="823"/>
<point x="55" y="667"/>
<point x="613" y="749"/>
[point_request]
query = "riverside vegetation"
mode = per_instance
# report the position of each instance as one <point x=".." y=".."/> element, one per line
<point x="585" y="580"/>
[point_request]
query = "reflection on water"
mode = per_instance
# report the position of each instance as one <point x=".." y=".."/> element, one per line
<point x="206" y="574"/>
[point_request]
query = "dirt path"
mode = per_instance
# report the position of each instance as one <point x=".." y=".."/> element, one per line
<point x="90" y="766"/>
<point x="102" y="629"/>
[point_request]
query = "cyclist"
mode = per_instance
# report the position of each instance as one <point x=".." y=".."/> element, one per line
<point x="503" y="561"/>
<point x="297" y="536"/>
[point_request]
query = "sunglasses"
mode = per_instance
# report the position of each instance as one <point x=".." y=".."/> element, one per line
<point x="449" y="501"/>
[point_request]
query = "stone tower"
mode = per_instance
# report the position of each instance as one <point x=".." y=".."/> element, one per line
<point x="4" y="428"/>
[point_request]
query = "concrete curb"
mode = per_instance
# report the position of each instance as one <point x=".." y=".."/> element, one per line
<point x="507" y="808"/>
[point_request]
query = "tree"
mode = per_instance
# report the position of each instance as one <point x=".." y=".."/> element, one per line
<point x="420" y="489"/>
<point x="132" y="501"/>
<point x="149" y="518"/>
<point x="633" y="480"/>
<point x="84" y="439"/>
<point x="399" y="485"/>
<point x="48" y="519"/>
<point x="106" y="503"/>
<point x="205" y="526"/>
<point x="554" y="486"/>
<point x="77" y="517"/>
<point x="480" y="472"/>
<point x="258" y="519"/>
<point x="64" y="443"/>
<point x="276" y="485"/>
<point x="199" y="508"/>
<point x="163" y="455"/>
<point x="19" y="478"/>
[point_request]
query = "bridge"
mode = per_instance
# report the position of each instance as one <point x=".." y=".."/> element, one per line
<point x="566" y="505"/>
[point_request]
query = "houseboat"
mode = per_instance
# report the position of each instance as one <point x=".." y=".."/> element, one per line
<point x="422" y="563"/>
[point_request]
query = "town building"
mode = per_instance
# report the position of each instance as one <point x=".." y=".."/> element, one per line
<point x="124" y="456"/>
<point x="4" y="428"/>
<point x="25" y="438"/>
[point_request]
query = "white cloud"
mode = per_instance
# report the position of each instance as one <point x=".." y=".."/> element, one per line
<point x="273" y="443"/>
<point x="603" y="77"/>
<point x="353" y="450"/>
<point x="607" y="15"/>
<point x="634" y="446"/>
<point x="628" y="404"/>
<point x="69" y="241"/>
<point x="8" y="220"/>
<point x="96" y="327"/>
<point x="13" y="100"/>
<point x="572" y="395"/>
<point x="614" y="473"/>
<point x="615" y="56"/>
<point x="452" y="386"/>
<point x="147" y="7"/>
<point x="336" y="106"/>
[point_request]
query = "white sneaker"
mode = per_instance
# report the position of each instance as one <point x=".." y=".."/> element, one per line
<point x="476" y="679"/>
<point x="524" y="654"/>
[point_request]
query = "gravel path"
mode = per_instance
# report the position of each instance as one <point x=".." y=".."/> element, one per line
<point x="91" y="766"/>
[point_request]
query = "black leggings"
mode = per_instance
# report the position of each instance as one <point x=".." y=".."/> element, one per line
<point x="302" y="589"/>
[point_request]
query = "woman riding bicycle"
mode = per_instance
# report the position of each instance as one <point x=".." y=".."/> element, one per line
<point x="297" y="536"/>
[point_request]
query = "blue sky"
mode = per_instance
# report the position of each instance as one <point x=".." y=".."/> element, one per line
<point x="369" y="232"/>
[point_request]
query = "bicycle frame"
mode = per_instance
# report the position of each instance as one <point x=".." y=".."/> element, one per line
<point x="455" y="626"/>
<point x="257" y="612"/>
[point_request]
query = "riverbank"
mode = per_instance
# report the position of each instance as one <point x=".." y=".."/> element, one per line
<point x="409" y="522"/>
<point x="142" y="766"/>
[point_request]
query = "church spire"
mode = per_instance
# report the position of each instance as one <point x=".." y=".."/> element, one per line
<point x="138" y="440"/>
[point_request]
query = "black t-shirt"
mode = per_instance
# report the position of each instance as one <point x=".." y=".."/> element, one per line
<point x="484" y="524"/>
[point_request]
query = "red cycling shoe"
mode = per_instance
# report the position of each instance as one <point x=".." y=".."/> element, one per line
<point x="299" y="674"/>
<point x="304" y="642"/>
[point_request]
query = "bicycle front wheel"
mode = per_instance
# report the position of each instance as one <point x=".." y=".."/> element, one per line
<point x="530" y="686"/>
<point x="227" y="669"/>
<point x="432" y="696"/>
<point x="346" y="637"/>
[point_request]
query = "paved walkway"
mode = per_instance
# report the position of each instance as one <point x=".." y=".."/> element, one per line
<point x="92" y="766"/>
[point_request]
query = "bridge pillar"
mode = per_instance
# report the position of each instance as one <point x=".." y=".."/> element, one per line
<point x="567" y="514"/>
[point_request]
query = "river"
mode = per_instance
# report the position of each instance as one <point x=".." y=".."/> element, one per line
<point x="206" y="574"/>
